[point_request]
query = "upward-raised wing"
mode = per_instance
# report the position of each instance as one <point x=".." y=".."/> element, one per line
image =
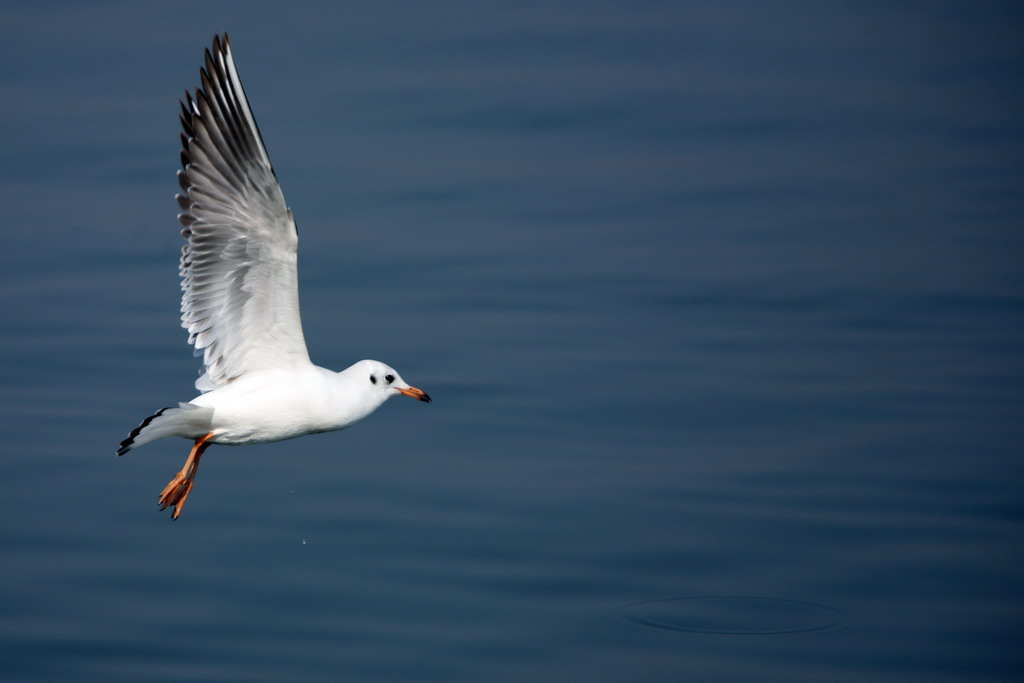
<point x="240" y="301"/>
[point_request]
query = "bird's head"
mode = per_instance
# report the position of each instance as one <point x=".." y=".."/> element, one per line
<point x="380" y="377"/>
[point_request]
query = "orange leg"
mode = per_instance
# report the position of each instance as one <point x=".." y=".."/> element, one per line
<point x="175" y="493"/>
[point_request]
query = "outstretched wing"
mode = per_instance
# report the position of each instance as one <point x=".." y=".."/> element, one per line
<point x="240" y="301"/>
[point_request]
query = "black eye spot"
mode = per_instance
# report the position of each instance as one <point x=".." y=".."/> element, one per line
<point x="389" y="378"/>
<point x="373" y="379"/>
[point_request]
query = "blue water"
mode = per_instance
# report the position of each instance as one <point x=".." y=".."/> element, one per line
<point x="721" y="306"/>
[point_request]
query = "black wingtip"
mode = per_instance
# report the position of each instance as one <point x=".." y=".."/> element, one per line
<point x="126" y="445"/>
<point x="221" y="44"/>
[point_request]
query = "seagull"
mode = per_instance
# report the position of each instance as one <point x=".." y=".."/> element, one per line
<point x="240" y="296"/>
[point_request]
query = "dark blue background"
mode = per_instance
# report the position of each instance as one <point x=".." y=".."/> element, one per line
<point x="720" y="305"/>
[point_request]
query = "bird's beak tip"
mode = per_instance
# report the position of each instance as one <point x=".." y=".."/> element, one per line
<point x="418" y="394"/>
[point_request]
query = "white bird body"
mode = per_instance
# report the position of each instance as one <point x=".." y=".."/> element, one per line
<point x="274" y="405"/>
<point x="240" y="298"/>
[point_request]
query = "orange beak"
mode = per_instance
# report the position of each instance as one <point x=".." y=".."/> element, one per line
<point x="415" y="393"/>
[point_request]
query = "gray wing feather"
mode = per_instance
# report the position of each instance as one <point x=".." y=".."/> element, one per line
<point x="240" y="300"/>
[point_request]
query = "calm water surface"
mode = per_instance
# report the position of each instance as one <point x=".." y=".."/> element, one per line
<point x="721" y="306"/>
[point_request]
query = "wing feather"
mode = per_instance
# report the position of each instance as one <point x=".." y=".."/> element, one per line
<point x="240" y="299"/>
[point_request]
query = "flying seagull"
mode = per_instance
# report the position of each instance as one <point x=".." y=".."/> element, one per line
<point x="240" y="296"/>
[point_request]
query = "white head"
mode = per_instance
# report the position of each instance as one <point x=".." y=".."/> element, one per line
<point x="379" y="378"/>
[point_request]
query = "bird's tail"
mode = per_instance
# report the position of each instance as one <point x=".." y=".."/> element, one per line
<point x="187" y="420"/>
